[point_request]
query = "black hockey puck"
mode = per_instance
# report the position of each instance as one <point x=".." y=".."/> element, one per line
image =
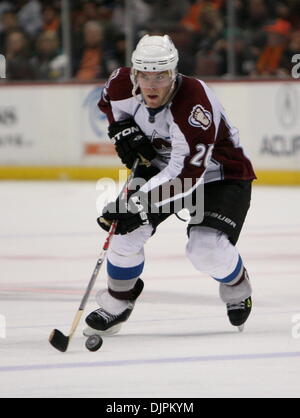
<point x="94" y="342"/>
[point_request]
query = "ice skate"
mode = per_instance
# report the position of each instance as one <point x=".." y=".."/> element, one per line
<point x="238" y="313"/>
<point x="108" y="319"/>
<point x="238" y="301"/>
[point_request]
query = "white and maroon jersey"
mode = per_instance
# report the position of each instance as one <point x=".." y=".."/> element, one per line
<point x="191" y="133"/>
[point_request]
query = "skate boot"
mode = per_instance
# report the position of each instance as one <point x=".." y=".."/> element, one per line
<point x="108" y="319"/>
<point x="238" y="312"/>
<point x="238" y="300"/>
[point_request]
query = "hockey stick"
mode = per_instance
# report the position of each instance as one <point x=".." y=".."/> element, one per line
<point x="57" y="339"/>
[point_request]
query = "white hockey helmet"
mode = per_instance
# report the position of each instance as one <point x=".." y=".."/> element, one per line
<point x="155" y="53"/>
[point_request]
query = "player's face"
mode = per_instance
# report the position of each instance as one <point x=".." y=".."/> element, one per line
<point x="155" y="87"/>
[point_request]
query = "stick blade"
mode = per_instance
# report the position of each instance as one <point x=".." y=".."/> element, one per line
<point x="58" y="340"/>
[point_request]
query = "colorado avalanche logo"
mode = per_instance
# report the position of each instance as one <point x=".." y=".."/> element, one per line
<point x="163" y="146"/>
<point x="200" y="117"/>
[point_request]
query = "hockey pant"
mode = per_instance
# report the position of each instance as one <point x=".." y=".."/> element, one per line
<point x="209" y="251"/>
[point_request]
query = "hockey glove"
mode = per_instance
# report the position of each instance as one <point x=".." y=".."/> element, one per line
<point x="130" y="142"/>
<point x="130" y="214"/>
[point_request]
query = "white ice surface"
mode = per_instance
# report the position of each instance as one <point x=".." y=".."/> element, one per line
<point x="178" y="341"/>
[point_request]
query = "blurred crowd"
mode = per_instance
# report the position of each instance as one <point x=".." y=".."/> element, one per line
<point x="266" y="36"/>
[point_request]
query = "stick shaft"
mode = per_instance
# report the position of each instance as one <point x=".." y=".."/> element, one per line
<point x="101" y="257"/>
<point x="107" y="242"/>
<point x="97" y="267"/>
<point x="75" y="322"/>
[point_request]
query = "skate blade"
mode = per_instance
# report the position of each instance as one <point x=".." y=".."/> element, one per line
<point x="88" y="331"/>
<point x="241" y="328"/>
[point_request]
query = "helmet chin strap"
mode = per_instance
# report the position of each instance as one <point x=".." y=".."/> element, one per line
<point x="169" y="95"/>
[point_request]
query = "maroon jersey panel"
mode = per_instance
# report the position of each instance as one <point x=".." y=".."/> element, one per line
<point x="118" y="87"/>
<point x="193" y="113"/>
<point x="235" y="164"/>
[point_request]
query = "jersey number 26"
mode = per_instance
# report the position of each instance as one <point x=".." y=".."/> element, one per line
<point x="203" y="155"/>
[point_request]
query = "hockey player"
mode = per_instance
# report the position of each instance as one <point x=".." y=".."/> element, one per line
<point x="178" y="125"/>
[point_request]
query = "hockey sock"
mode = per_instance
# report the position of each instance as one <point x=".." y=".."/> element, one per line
<point x="236" y="276"/>
<point x="122" y="280"/>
